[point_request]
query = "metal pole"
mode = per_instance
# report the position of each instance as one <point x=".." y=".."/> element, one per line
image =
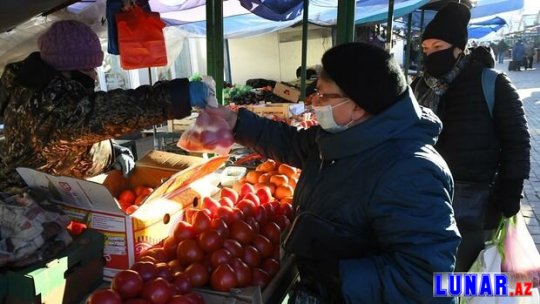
<point x="390" y="25"/>
<point x="214" y="44"/>
<point x="345" y="21"/>
<point x="408" y="48"/>
<point x="305" y="28"/>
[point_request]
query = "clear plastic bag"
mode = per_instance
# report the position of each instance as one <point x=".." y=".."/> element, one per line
<point x="210" y="134"/>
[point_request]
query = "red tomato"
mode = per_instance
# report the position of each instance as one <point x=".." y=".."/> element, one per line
<point x="287" y="210"/>
<point x="183" y="230"/>
<point x="147" y="258"/>
<point x="164" y="271"/>
<point x="179" y="300"/>
<point x="229" y="193"/>
<point x="200" y="222"/>
<point x="76" y="228"/>
<point x="158" y="254"/>
<point x="263" y="245"/>
<point x="195" y="298"/>
<point x="247" y="207"/>
<point x="259" y="277"/>
<point x="264" y="195"/>
<point x="197" y="274"/>
<point x="220" y="256"/>
<point x="143" y="190"/>
<point x="225" y="213"/>
<point x="147" y="270"/>
<point x="127" y="283"/>
<point x="131" y="209"/>
<point x="210" y="241"/>
<point x="225" y="201"/>
<point x="271" y="266"/>
<point x="220" y="227"/>
<point x="242" y="232"/>
<point x="136" y="301"/>
<point x="260" y="215"/>
<point x="242" y="272"/>
<point x="210" y="204"/>
<point x="251" y="256"/>
<point x="188" y="251"/>
<point x="126" y="198"/>
<point x="169" y="245"/>
<point x="223" y="278"/>
<point x="282" y="221"/>
<point x="234" y="247"/>
<point x="245" y="189"/>
<point x="157" y="291"/>
<point x="189" y="213"/>
<point x="270" y="211"/>
<point x="140" y="199"/>
<point x="252" y="197"/>
<point x="181" y="283"/>
<point x="104" y="296"/>
<point x="253" y="223"/>
<point x="237" y="214"/>
<point x="176" y="266"/>
<point x="272" y="231"/>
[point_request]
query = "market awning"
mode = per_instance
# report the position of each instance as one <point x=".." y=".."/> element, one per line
<point x="239" y="22"/>
<point x="478" y="30"/>
<point x="483" y="8"/>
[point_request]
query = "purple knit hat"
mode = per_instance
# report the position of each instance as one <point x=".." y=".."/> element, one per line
<point x="70" y="45"/>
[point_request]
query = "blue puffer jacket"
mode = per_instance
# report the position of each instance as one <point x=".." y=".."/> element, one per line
<point x="384" y="181"/>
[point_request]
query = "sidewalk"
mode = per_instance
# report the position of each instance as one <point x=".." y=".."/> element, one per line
<point x="528" y="85"/>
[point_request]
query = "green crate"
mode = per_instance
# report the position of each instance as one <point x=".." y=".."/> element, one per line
<point x="68" y="278"/>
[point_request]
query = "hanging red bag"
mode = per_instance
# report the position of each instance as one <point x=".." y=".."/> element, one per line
<point x="140" y="39"/>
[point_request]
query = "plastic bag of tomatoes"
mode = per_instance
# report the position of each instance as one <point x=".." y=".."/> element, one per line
<point x="210" y="133"/>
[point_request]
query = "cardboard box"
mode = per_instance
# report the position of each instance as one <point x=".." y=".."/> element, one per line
<point x="287" y="92"/>
<point x="279" y="110"/>
<point x="67" y="278"/>
<point x="93" y="202"/>
<point x="180" y="125"/>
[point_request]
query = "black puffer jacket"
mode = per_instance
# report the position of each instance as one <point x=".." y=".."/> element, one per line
<point x="478" y="147"/>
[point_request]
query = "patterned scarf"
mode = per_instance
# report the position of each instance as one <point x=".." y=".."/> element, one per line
<point x="437" y="86"/>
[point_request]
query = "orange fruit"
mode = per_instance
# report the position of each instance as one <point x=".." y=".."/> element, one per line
<point x="287" y="170"/>
<point x="283" y="191"/>
<point x="252" y="177"/>
<point x="267" y="166"/>
<point x="279" y="179"/>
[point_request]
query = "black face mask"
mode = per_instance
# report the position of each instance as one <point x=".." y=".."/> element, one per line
<point x="440" y="63"/>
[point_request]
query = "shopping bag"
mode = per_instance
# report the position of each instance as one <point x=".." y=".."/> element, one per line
<point x="140" y="39"/>
<point x="501" y="251"/>
<point x="209" y="134"/>
<point x="520" y="254"/>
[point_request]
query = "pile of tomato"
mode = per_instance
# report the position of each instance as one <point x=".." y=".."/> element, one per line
<point x="225" y="243"/>
<point x="130" y="199"/>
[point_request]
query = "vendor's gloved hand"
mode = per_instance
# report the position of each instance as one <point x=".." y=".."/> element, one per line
<point x="124" y="162"/>
<point x="202" y="94"/>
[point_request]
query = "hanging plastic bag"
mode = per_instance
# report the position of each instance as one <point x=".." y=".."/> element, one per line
<point x="210" y="134"/>
<point x="140" y="39"/>
<point x="520" y="254"/>
<point x="511" y="242"/>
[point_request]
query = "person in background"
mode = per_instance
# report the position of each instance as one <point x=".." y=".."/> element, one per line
<point x="518" y="55"/>
<point x="56" y="123"/>
<point x="529" y="55"/>
<point x="374" y="188"/>
<point x="502" y="48"/>
<point x="481" y="149"/>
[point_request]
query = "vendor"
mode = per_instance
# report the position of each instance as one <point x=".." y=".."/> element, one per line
<point x="374" y="215"/>
<point x="56" y="123"/>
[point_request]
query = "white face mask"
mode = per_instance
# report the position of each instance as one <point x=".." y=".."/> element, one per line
<point x="325" y="117"/>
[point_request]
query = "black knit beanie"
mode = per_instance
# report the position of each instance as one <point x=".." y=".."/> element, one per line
<point x="366" y="73"/>
<point x="450" y="25"/>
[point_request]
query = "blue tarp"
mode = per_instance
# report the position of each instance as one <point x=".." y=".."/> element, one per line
<point x="189" y="15"/>
<point x="478" y="30"/>
<point x="483" y="8"/>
